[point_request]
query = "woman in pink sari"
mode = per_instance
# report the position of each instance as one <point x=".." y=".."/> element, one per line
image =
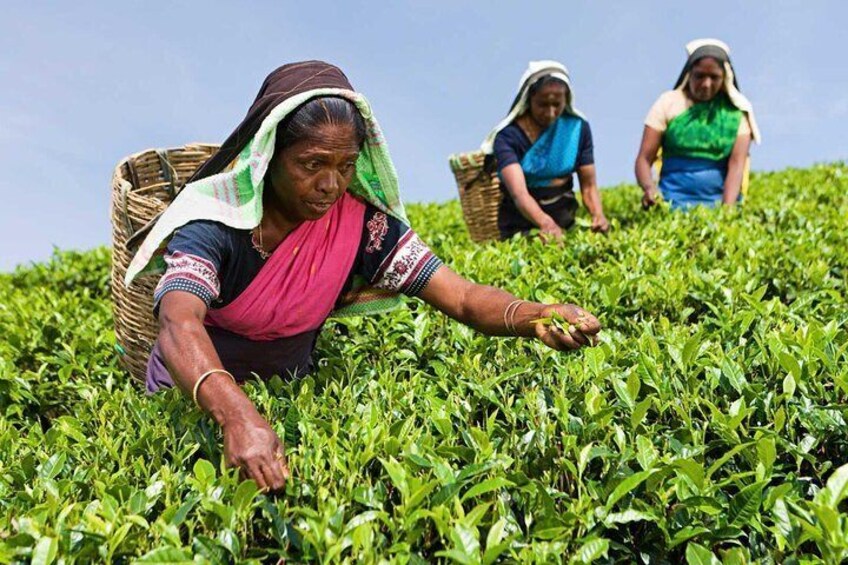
<point x="257" y="256"/>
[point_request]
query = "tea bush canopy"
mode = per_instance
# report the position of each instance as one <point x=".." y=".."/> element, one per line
<point x="708" y="426"/>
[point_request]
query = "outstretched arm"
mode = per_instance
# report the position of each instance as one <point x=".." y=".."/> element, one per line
<point x="485" y="309"/>
<point x="249" y="441"/>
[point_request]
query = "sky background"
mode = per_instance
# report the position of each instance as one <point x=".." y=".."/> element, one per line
<point x="87" y="83"/>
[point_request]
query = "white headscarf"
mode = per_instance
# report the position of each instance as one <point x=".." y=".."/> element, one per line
<point x="730" y="84"/>
<point x="535" y="71"/>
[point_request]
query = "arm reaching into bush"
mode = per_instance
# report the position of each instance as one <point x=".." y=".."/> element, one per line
<point x="249" y="441"/>
<point x="651" y="140"/>
<point x="736" y="170"/>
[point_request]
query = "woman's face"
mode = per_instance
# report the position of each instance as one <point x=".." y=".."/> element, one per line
<point x="547" y="104"/>
<point x="705" y="79"/>
<point x="309" y="176"/>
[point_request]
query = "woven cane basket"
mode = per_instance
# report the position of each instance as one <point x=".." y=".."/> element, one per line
<point x="142" y="186"/>
<point x="479" y="194"/>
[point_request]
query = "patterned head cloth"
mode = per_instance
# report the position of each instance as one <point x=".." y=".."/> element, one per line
<point x="232" y="195"/>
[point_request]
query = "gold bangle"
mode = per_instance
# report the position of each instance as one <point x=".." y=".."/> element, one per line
<point x="203" y="377"/>
<point x="506" y="315"/>
<point x="512" y="316"/>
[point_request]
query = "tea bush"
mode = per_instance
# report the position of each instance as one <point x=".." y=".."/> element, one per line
<point x="708" y="427"/>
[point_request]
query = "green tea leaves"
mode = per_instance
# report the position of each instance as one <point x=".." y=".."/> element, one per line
<point x="744" y="505"/>
<point x="707" y="426"/>
<point x="697" y="554"/>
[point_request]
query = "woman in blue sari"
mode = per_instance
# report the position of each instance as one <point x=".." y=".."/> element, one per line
<point x="704" y="127"/>
<point x="537" y="148"/>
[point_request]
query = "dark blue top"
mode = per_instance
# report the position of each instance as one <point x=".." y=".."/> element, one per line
<point x="217" y="263"/>
<point x="511" y="144"/>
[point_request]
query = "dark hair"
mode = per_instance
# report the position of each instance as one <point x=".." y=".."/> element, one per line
<point x="544" y="81"/>
<point x="717" y="60"/>
<point x="305" y="120"/>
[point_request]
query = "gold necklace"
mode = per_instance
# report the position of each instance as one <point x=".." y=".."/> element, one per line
<point x="261" y="247"/>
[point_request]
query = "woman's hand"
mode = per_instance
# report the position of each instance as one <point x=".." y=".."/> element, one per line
<point x="581" y="331"/>
<point x="600" y="223"/>
<point x="251" y="445"/>
<point x="650" y="197"/>
<point x="550" y="231"/>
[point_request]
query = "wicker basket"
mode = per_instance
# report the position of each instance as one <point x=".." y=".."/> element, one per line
<point x="479" y="193"/>
<point x="142" y="186"/>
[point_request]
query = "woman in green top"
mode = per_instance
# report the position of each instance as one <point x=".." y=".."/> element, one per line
<point x="704" y="127"/>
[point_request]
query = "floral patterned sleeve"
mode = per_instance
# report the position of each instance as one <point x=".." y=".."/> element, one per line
<point x="194" y="258"/>
<point x="392" y="256"/>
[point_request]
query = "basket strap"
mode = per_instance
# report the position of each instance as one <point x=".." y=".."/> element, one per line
<point x="135" y="238"/>
<point x="168" y="171"/>
<point x="133" y="172"/>
<point x="125" y="193"/>
<point x="487" y="169"/>
<point x="476" y="179"/>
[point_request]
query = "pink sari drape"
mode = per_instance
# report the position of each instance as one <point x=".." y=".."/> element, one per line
<point x="298" y="286"/>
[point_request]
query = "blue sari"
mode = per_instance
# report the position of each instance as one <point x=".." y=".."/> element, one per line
<point x="687" y="181"/>
<point x="554" y="154"/>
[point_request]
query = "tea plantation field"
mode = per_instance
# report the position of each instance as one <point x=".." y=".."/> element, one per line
<point x="708" y="427"/>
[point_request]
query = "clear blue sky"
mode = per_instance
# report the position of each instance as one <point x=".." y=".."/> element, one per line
<point x="86" y="83"/>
